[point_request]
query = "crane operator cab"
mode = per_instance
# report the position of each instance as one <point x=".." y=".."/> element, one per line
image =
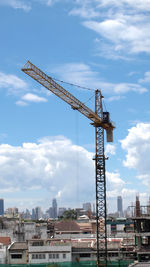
<point x="106" y="118"/>
<point x="109" y="130"/>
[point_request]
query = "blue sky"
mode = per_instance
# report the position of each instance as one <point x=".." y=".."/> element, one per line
<point x="46" y="148"/>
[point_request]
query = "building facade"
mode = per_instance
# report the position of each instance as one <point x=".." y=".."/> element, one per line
<point x="54" y="206"/>
<point x="119" y="206"/>
<point x="1" y="206"/>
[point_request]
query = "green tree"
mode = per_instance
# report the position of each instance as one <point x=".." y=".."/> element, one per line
<point x="70" y="214"/>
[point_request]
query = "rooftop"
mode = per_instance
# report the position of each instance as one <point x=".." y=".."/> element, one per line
<point x="5" y="240"/>
<point x="18" y="246"/>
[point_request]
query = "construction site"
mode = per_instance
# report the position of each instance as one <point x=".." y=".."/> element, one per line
<point x="87" y="241"/>
<point x="74" y="133"/>
<point x="74" y="242"/>
<point x="102" y="249"/>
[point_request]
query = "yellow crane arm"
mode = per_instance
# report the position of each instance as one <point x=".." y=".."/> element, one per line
<point x="58" y="90"/>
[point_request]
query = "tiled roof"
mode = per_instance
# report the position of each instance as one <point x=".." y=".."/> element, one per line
<point x="67" y="226"/>
<point x="5" y="240"/>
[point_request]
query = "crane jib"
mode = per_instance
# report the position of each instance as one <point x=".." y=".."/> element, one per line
<point x="38" y="75"/>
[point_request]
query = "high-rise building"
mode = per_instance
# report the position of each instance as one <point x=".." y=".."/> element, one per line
<point x="137" y="207"/>
<point x="51" y="213"/>
<point x="119" y="206"/>
<point x="33" y="214"/>
<point x="87" y="206"/>
<point x="1" y="206"/>
<point x="54" y="206"/>
<point x="38" y="213"/>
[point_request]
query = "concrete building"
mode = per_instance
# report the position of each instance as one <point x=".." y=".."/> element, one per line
<point x="38" y="213"/>
<point x="87" y="206"/>
<point x="18" y="253"/>
<point x="4" y="243"/>
<point x="119" y="206"/>
<point x="1" y="206"/>
<point x="54" y="206"/>
<point x="48" y="251"/>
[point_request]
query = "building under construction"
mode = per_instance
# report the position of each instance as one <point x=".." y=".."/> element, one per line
<point x="142" y="231"/>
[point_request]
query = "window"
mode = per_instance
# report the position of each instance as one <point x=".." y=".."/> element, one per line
<point x="85" y="255"/>
<point x="16" y="256"/>
<point x="64" y="256"/>
<point x="38" y="243"/>
<point x="54" y="256"/>
<point x="38" y="256"/>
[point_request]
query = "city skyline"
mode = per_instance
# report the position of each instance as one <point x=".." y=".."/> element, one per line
<point x="54" y="211"/>
<point x="46" y="148"/>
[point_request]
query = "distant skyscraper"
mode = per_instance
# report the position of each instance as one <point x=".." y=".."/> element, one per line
<point x="38" y="213"/>
<point x="137" y="210"/>
<point x="94" y="209"/>
<point x="1" y="206"/>
<point x="51" y="213"/>
<point x="119" y="206"/>
<point x="87" y="206"/>
<point x="33" y="214"/>
<point x="54" y="206"/>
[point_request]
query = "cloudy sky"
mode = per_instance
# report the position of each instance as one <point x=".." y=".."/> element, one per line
<point x="46" y="149"/>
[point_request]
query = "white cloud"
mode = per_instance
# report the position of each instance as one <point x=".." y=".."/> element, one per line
<point x="12" y="83"/>
<point x="123" y="35"/>
<point x="21" y="103"/>
<point x="135" y="4"/>
<point x="80" y="73"/>
<point x="146" y="78"/>
<point x="114" y="184"/>
<point x="137" y="146"/>
<point x="33" y="98"/>
<point x="16" y="86"/>
<point x="85" y="12"/>
<point x="126" y="87"/>
<point x="54" y="164"/>
<point x="16" y="4"/>
<point x="115" y="98"/>
<point x="48" y="2"/>
<point x="110" y="149"/>
<point x="56" y="167"/>
<point x="122" y="25"/>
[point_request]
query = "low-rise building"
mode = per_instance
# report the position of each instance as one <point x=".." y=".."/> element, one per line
<point x="47" y="251"/>
<point x="18" y="253"/>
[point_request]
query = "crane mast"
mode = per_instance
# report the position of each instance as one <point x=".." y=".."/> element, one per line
<point x="101" y="215"/>
<point x="100" y="120"/>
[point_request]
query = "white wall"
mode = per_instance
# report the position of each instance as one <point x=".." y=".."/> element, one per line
<point x="50" y="250"/>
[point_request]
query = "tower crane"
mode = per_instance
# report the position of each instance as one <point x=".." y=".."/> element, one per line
<point x="101" y="121"/>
